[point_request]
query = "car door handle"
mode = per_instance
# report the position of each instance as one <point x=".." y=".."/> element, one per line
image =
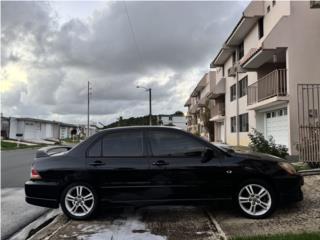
<point x="97" y="163"/>
<point x="160" y="163"/>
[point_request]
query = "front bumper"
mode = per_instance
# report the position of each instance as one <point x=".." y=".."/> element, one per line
<point x="289" y="188"/>
<point x="44" y="194"/>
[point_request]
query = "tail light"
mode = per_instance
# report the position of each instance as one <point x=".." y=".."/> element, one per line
<point x="34" y="174"/>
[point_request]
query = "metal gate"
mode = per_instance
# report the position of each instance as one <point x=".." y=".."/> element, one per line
<point x="309" y="122"/>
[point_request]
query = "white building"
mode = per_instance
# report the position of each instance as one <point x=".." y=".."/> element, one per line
<point x="173" y="120"/>
<point x="272" y="50"/>
<point x="32" y="129"/>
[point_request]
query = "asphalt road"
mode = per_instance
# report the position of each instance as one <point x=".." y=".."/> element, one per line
<point x="15" y="167"/>
<point x="15" y="170"/>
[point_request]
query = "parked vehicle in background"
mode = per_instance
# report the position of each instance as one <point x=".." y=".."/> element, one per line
<point x="134" y="165"/>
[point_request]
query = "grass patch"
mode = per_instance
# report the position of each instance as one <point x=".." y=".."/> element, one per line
<point x="13" y="146"/>
<point x="289" y="236"/>
<point x="301" y="166"/>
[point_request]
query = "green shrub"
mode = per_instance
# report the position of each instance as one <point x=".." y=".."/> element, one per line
<point x="258" y="143"/>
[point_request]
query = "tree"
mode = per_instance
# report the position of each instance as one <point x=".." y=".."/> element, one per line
<point x="178" y="113"/>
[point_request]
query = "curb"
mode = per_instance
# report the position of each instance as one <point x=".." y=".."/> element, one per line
<point x="32" y="228"/>
<point x="310" y="172"/>
<point x="217" y="228"/>
<point x="51" y="229"/>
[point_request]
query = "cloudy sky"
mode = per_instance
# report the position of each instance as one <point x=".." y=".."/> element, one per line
<point x="49" y="50"/>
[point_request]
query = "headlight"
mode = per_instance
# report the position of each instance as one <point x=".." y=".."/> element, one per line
<point x="287" y="167"/>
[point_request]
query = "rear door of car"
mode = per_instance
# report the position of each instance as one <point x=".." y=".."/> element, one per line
<point x="118" y="165"/>
<point x="177" y="171"/>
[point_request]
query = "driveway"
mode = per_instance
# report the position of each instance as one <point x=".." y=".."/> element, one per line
<point x="295" y="218"/>
<point x="148" y="223"/>
<point x="190" y="222"/>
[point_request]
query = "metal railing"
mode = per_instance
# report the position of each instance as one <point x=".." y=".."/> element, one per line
<point x="309" y="147"/>
<point x="309" y="123"/>
<point x="271" y="85"/>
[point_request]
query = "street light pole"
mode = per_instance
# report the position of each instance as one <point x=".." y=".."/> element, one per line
<point x="150" y="100"/>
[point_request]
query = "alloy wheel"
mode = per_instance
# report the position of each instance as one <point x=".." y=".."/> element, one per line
<point x="79" y="200"/>
<point x="255" y="200"/>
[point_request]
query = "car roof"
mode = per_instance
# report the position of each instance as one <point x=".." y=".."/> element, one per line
<point x="141" y="127"/>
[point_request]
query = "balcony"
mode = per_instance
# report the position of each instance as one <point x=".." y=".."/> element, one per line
<point x="268" y="90"/>
<point x="217" y="89"/>
<point x="218" y="111"/>
<point x="193" y="109"/>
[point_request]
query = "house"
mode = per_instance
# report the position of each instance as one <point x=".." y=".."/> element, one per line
<point x="173" y="120"/>
<point x="83" y="130"/>
<point x="5" y="125"/>
<point x="273" y="48"/>
<point x="66" y="129"/>
<point x="33" y="129"/>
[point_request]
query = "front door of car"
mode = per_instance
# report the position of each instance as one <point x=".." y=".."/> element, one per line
<point x="178" y="170"/>
<point x="118" y="165"/>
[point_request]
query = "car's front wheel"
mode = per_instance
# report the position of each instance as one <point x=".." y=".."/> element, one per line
<point x="79" y="201"/>
<point x="256" y="199"/>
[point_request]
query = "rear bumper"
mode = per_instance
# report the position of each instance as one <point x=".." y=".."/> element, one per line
<point x="44" y="194"/>
<point x="43" y="202"/>
<point x="289" y="188"/>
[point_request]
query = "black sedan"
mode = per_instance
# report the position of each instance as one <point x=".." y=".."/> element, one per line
<point x="145" y="165"/>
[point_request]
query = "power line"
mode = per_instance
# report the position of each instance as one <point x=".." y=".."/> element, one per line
<point x="133" y="34"/>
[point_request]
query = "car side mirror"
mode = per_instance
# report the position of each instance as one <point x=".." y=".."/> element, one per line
<point x="207" y="155"/>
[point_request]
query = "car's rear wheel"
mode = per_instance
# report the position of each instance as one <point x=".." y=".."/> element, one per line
<point x="256" y="199"/>
<point x="79" y="201"/>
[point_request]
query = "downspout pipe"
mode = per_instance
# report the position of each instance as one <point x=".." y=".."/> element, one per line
<point x="237" y="97"/>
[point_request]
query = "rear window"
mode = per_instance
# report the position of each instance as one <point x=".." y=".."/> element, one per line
<point x="95" y="149"/>
<point x="124" y="144"/>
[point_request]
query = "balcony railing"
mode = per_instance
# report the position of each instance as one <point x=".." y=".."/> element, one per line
<point x="218" y="109"/>
<point x="271" y="85"/>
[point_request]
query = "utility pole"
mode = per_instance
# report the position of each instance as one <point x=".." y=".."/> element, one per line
<point x="150" y="104"/>
<point x="150" y="110"/>
<point x="88" y="116"/>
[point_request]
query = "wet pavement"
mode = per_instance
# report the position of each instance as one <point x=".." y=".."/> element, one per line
<point x="147" y="223"/>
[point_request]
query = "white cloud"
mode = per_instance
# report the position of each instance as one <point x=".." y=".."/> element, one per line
<point x="177" y="41"/>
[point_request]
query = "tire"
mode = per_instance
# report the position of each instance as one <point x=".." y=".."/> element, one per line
<point x="79" y="201"/>
<point x="256" y="199"/>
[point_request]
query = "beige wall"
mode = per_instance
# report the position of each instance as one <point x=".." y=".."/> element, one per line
<point x="300" y="33"/>
<point x="280" y="9"/>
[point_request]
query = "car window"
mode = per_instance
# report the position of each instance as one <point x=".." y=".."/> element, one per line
<point x="124" y="144"/>
<point x="95" y="149"/>
<point x="165" y="143"/>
